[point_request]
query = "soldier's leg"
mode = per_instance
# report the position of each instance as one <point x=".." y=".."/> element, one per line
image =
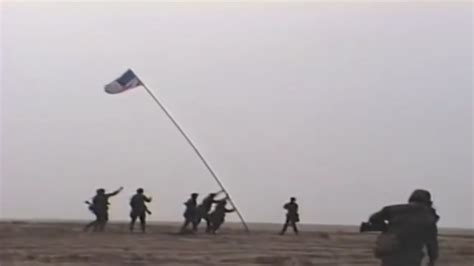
<point x="103" y="221"/>
<point x="96" y="223"/>
<point x="143" y="222"/>
<point x="405" y="258"/>
<point x="99" y="222"/>
<point x="133" y="219"/>
<point x="185" y="225"/>
<point x="91" y="224"/>
<point x="215" y="226"/>
<point x="285" y="226"/>
<point x="295" y="228"/>
<point x="208" y="224"/>
<point x="195" y="223"/>
<point x="197" y="220"/>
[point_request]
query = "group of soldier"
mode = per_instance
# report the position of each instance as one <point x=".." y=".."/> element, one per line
<point x="211" y="210"/>
<point x="406" y="229"/>
<point x="99" y="206"/>
<point x="194" y="213"/>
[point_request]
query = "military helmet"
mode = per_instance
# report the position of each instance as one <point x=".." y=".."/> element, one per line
<point x="421" y="196"/>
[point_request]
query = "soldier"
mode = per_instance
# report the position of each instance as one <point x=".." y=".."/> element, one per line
<point x="217" y="217"/>
<point x="292" y="216"/>
<point x="204" y="210"/>
<point x="190" y="214"/>
<point x="139" y="209"/>
<point x="407" y="229"/>
<point x="100" y="208"/>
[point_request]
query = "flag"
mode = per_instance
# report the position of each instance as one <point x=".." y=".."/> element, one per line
<point x="127" y="81"/>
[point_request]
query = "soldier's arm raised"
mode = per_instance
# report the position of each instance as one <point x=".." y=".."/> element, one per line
<point x="115" y="192"/>
<point x="219" y="200"/>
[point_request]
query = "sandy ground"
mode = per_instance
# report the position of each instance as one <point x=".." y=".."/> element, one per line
<point x="41" y="244"/>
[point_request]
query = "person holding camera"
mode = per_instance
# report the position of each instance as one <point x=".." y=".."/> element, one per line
<point x="406" y="230"/>
<point x="292" y="216"/>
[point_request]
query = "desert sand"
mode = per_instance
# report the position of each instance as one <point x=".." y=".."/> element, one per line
<point x="65" y="244"/>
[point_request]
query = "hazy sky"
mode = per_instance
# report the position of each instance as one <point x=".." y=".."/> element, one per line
<point x="347" y="107"/>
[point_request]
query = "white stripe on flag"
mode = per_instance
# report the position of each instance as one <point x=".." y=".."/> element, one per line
<point x="115" y="87"/>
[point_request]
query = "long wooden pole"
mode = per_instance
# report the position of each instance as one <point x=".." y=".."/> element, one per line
<point x="198" y="153"/>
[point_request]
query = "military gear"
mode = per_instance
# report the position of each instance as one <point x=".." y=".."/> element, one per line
<point x="410" y="227"/>
<point x="217" y="217"/>
<point x="190" y="213"/>
<point x="204" y="209"/>
<point x="292" y="216"/>
<point x="139" y="209"/>
<point x="100" y="206"/>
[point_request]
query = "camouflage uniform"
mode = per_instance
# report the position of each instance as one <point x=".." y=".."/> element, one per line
<point x="139" y="209"/>
<point x="292" y="216"/>
<point x="190" y="214"/>
<point x="204" y="209"/>
<point x="100" y="208"/>
<point x="217" y="217"/>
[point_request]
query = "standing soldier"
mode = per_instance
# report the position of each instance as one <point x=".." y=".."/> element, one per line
<point x="217" y="217"/>
<point x="190" y="214"/>
<point x="292" y="216"/>
<point x="204" y="209"/>
<point x="100" y="208"/>
<point x="406" y="230"/>
<point x="139" y="209"/>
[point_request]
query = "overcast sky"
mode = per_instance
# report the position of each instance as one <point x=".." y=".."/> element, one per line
<point x="347" y="107"/>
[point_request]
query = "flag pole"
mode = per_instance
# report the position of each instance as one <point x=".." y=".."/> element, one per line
<point x="198" y="153"/>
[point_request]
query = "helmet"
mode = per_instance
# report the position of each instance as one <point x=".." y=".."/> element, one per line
<point x="421" y="196"/>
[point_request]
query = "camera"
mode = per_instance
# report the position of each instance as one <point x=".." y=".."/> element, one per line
<point x="372" y="227"/>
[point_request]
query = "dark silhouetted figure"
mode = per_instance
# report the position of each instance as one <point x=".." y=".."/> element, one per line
<point x="100" y="207"/>
<point x="139" y="209"/>
<point x="407" y="229"/>
<point x="190" y="214"/>
<point x="217" y="217"/>
<point x="204" y="209"/>
<point x="94" y="224"/>
<point x="292" y="216"/>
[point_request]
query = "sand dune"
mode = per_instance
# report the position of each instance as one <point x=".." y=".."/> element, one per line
<point x="41" y="244"/>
